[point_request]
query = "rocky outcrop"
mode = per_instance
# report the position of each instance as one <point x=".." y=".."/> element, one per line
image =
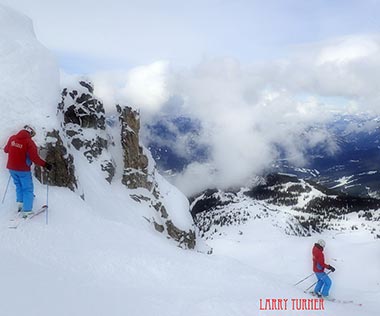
<point x="82" y="109"/>
<point x="135" y="173"/>
<point x="84" y="133"/>
<point x="139" y="172"/>
<point x="63" y="171"/>
<point x="184" y="238"/>
<point x="83" y="122"/>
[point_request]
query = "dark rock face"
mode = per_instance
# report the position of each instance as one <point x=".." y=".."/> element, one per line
<point x="184" y="238"/>
<point x="84" y="115"/>
<point x="109" y="168"/>
<point x="138" y="174"/>
<point x="85" y="111"/>
<point x="135" y="162"/>
<point x="63" y="171"/>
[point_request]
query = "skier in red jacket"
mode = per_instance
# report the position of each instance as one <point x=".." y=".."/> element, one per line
<point x="22" y="151"/>
<point x="324" y="282"/>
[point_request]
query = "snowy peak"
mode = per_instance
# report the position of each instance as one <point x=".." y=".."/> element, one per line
<point x="14" y="25"/>
<point x="296" y="206"/>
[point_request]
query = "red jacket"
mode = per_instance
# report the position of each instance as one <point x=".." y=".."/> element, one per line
<point x="22" y="151"/>
<point x="319" y="264"/>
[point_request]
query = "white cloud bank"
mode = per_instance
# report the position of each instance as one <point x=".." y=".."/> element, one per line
<point x="246" y="111"/>
<point x="144" y="87"/>
<point x="346" y="67"/>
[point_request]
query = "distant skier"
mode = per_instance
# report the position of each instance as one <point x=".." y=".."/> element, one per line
<point x="324" y="282"/>
<point x="22" y="151"/>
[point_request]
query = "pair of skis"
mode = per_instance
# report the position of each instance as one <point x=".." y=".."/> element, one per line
<point x="16" y="222"/>
<point x="334" y="300"/>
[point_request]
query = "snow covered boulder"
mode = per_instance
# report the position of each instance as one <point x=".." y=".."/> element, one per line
<point x="82" y="118"/>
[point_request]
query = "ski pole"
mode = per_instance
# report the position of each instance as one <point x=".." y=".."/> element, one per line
<point x="6" y="190"/>
<point x="303" y="279"/>
<point x="315" y="282"/>
<point x="47" y="200"/>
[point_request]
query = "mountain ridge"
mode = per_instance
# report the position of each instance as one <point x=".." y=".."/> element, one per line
<point x="303" y="207"/>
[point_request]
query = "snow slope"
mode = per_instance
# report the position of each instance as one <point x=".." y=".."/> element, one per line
<point x="284" y="260"/>
<point x="101" y="257"/>
<point x="266" y="237"/>
<point x="83" y="263"/>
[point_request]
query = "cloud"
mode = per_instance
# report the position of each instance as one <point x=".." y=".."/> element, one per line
<point x="348" y="49"/>
<point x="244" y="133"/>
<point x="146" y="86"/>
<point x="248" y="112"/>
<point x="346" y="67"/>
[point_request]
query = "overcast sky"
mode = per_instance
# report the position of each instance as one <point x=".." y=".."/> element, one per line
<point x="89" y="35"/>
<point x="255" y="74"/>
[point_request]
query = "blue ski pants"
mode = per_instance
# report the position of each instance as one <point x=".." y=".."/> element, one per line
<point x="24" y="188"/>
<point x="323" y="284"/>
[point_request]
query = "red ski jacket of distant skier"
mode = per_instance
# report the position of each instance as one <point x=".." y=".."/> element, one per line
<point x="319" y="264"/>
<point x="22" y="151"/>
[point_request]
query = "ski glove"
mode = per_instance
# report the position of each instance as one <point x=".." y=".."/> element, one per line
<point x="331" y="268"/>
<point x="48" y="166"/>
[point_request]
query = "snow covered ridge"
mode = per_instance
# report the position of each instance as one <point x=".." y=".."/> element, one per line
<point x="85" y="149"/>
<point x="29" y="78"/>
<point x="296" y="206"/>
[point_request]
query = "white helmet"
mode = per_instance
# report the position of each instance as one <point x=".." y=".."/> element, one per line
<point x="322" y="243"/>
<point x="30" y="129"/>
